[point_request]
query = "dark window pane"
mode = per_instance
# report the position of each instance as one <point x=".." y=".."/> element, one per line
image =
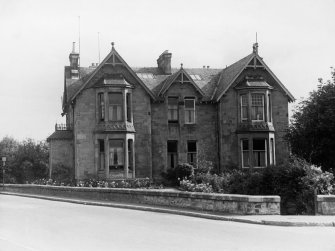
<point x="189" y="103"/>
<point x="191" y="146"/>
<point x="173" y="101"/>
<point x="259" y="144"/>
<point x="101" y="145"/>
<point x="172" y="146"/>
<point x="128" y="107"/>
<point x="115" y="98"/>
<point x="245" y="145"/>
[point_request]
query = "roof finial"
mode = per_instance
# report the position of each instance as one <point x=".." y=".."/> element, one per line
<point x="181" y="66"/>
<point x="255" y="46"/>
<point x="112" y="45"/>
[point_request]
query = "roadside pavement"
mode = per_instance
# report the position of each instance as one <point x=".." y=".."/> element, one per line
<point x="274" y="220"/>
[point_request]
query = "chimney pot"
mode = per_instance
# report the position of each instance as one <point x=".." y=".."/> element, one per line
<point x="207" y="66"/>
<point x="73" y="47"/>
<point x="204" y="66"/>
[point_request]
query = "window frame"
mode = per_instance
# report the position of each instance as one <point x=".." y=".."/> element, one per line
<point x="252" y="106"/>
<point x="101" y="107"/>
<point x="266" y="106"/>
<point x="189" y="110"/>
<point x="172" y="154"/>
<point x="192" y="154"/>
<point x="115" y="106"/>
<point x="173" y="107"/>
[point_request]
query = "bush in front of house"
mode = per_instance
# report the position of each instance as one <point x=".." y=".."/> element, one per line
<point x="189" y="186"/>
<point x="174" y="175"/>
<point x="295" y="182"/>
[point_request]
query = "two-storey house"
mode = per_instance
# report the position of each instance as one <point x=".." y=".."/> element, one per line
<point x="125" y="122"/>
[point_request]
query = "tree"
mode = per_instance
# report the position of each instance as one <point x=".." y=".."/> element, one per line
<point x="312" y="130"/>
<point x="26" y="161"/>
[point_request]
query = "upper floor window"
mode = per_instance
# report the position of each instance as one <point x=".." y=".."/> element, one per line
<point x="101" y="106"/>
<point x="257" y="107"/>
<point x="173" y="109"/>
<point x="244" y="107"/>
<point x="128" y="101"/>
<point x="115" y="108"/>
<point x="189" y="110"/>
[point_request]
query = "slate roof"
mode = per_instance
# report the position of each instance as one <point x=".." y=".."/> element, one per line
<point x="61" y="135"/>
<point x="213" y="82"/>
<point x="229" y="74"/>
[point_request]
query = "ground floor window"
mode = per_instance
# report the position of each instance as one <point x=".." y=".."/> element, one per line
<point x="101" y="154"/>
<point x="192" y="152"/>
<point x="257" y="151"/>
<point x="172" y="153"/>
<point x="245" y="153"/>
<point x="116" y="153"/>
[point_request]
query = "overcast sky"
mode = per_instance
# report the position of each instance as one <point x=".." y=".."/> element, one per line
<point x="296" y="40"/>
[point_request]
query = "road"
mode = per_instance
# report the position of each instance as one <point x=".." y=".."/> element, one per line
<point x="34" y="224"/>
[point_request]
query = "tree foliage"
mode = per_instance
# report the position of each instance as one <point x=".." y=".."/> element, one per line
<point x="311" y="133"/>
<point x="26" y="160"/>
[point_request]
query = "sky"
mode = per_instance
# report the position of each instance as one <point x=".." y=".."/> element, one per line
<point x="296" y="40"/>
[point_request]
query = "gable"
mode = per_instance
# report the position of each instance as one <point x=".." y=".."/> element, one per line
<point x="252" y="62"/>
<point x="113" y="59"/>
<point x="181" y="77"/>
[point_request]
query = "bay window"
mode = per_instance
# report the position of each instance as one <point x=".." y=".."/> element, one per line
<point x="257" y="107"/>
<point x="115" y="108"/>
<point x="259" y="152"/>
<point x="244" y="107"/>
<point x="101" y="106"/>
<point x="116" y="153"/>
<point x="245" y="152"/>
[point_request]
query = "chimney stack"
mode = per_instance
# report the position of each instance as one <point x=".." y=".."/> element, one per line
<point x="74" y="62"/>
<point x="164" y="62"/>
<point x="74" y="57"/>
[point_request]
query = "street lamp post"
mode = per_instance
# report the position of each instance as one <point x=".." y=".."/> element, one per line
<point x="3" y="172"/>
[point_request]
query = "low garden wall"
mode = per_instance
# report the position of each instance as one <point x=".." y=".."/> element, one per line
<point x="325" y="204"/>
<point x="223" y="203"/>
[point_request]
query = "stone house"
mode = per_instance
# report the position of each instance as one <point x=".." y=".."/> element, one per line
<point x="126" y="122"/>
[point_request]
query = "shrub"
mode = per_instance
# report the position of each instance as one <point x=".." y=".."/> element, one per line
<point x="295" y="182"/>
<point x="188" y="185"/>
<point x="181" y="171"/>
<point x="62" y="173"/>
